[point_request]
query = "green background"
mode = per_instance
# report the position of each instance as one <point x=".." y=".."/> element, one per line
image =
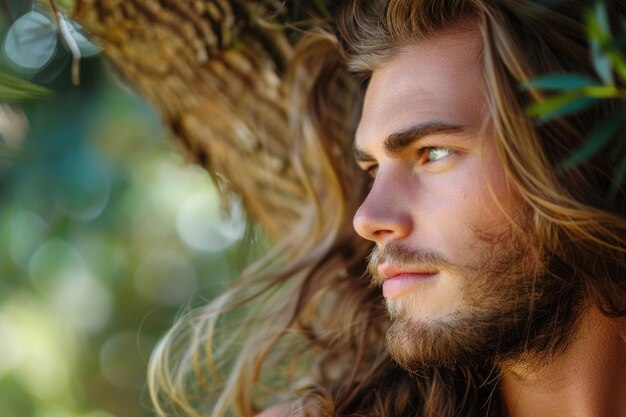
<point x="106" y="235"/>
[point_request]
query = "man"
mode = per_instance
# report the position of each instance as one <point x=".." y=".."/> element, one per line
<point x="453" y="293"/>
<point x="503" y="276"/>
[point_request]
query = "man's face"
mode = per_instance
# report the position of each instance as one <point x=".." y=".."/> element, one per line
<point x="453" y="267"/>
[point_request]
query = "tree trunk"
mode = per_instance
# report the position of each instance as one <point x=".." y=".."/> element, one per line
<point x="215" y="69"/>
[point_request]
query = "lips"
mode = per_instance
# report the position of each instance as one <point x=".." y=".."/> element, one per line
<point x="398" y="281"/>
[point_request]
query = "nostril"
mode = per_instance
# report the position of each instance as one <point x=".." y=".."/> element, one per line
<point x="383" y="232"/>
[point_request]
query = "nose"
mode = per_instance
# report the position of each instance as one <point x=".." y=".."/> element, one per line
<point x="384" y="215"/>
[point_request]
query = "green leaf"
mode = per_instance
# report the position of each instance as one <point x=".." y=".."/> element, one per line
<point x="616" y="43"/>
<point x="598" y="29"/>
<point x="16" y="89"/>
<point x="601" y="91"/>
<point x="558" y="106"/>
<point x="560" y="82"/>
<point x="31" y="41"/>
<point x="602" y="18"/>
<point x="598" y="139"/>
<point x="601" y="63"/>
<point x="619" y="61"/>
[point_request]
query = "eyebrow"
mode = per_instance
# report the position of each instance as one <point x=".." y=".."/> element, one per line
<point x="395" y="143"/>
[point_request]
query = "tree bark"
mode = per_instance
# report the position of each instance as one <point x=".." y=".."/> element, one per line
<point x="215" y="70"/>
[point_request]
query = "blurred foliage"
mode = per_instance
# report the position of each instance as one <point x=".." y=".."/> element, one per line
<point x="105" y="232"/>
<point x="36" y="36"/>
<point x="575" y="92"/>
<point x="15" y="89"/>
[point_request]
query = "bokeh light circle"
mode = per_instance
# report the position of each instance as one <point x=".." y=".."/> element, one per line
<point x="203" y="225"/>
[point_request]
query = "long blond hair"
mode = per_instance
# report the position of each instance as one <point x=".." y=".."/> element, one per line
<point x="305" y="323"/>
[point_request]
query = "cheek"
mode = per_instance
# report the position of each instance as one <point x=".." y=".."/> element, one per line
<point x="500" y="196"/>
<point x="469" y="191"/>
<point x="461" y="202"/>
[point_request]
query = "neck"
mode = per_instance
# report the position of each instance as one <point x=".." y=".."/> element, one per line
<point x="588" y="379"/>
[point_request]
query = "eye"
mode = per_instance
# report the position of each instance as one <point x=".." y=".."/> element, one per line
<point x="433" y="154"/>
<point x="372" y="171"/>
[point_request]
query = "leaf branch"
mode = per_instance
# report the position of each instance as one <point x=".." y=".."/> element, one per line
<point x="64" y="32"/>
<point x="575" y="92"/>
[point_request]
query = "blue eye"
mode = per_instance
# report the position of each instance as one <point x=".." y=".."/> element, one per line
<point x="433" y="154"/>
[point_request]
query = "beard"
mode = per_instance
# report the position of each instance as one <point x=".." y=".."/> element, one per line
<point x="514" y="307"/>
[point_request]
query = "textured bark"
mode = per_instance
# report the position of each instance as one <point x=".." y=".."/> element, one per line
<point x="215" y="70"/>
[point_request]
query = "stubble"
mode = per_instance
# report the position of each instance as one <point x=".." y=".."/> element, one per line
<point x="514" y="306"/>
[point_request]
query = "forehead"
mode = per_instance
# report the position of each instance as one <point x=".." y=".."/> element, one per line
<point x="437" y="79"/>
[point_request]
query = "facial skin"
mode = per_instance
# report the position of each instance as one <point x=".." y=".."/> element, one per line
<point x="458" y="278"/>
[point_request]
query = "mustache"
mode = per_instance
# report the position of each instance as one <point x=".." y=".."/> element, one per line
<point x="400" y="255"/>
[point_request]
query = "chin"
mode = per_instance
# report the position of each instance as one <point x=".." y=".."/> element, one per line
<point x="446" y="341"/>
<point x="485" y="332"/>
